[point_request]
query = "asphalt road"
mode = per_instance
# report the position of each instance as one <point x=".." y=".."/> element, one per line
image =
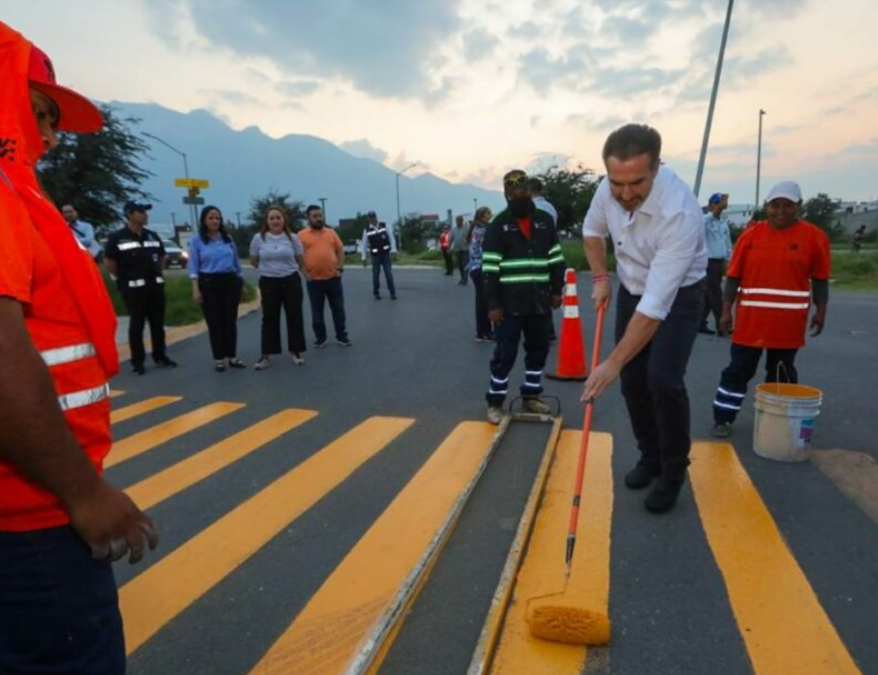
<point x="416" y="357"/>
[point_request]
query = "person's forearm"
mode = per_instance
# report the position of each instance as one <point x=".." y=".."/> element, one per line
<point x="111" y="266"/>
<point x="34" y="436"/>
<point x="596" y="253"/>
<point x="639" y="332"/>
<point x="340" y="260"/>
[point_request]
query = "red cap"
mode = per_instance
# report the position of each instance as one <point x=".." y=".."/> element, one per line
<point x="77" y="112"/>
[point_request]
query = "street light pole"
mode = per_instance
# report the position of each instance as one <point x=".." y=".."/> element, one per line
<point x="759" y="159"/>
<point x="713" y="95"/>
<point x="193" y="208"/>
<point x="238" y="216"/>
<point x="475" y="206"/>
<point x="322" y="201"/>
<point x="398" y="210"/>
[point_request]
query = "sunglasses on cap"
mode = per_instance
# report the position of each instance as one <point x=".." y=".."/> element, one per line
<point x="515" y="179"/>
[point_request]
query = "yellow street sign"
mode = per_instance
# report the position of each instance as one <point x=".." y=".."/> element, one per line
<point x="192" y="183"/>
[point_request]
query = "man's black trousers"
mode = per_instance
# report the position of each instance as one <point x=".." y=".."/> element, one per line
<point x="714" y="290"/>
<point x="653" y="383"/>
<point x="146" y="303"/>
<point x="779" y="367"/>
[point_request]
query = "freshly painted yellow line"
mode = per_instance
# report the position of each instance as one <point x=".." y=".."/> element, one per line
<point x="142" y="407"/>
<point x="115" y="393"/>
<point x="784" y="626"/>
<point x="152" y="599"/>
<point x="166" y="431"/>
<point x="324" y="637"/>
<point x="543" y="570"/>
<point x="182" y="475"/>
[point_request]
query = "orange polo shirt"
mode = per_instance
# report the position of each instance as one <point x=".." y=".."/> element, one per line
<point x="321" y="252"/>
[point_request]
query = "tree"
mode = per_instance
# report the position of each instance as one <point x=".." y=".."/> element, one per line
<point x="99" y="172"/>
<point x="570" y="191"/>
<point x="259" y="207"/>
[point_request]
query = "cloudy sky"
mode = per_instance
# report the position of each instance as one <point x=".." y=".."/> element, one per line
<point x="471" y="88"/>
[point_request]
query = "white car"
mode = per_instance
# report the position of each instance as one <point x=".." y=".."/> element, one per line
<point x="176" y="256"/>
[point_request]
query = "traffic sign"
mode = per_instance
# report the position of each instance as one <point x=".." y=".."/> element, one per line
<point x="192" y="183"/>
<point x="198" y="201"/>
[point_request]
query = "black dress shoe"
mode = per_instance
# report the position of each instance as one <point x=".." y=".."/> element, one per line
<point x="664" y="495"/>
<point x="165" y="362"/>
<point x="704" y="330"/>
<point x="138" y="369"/>
<point x="640" y="476"/>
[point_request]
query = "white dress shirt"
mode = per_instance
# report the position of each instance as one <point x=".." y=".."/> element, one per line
<point x="660" y="247"/>
<point x="544" y="205"/>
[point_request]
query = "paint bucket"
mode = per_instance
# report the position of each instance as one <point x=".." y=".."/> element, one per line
<point x="786" y="415"/>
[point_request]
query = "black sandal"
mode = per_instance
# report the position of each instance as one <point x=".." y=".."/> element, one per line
<point x="237" y="363"/>
<point x="219" y="366"/>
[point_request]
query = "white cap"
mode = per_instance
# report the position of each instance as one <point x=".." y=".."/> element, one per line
<point x="786" y="189"/>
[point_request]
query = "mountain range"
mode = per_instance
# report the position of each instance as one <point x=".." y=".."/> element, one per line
<point x="241" y="165"/>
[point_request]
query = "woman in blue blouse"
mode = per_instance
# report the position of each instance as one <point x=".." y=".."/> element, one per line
<point x="216" y="285"/>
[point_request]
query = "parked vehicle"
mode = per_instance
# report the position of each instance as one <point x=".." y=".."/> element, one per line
<point x="176" y="256"/>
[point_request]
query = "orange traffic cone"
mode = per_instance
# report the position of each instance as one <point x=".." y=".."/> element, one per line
<point x="571" y="351"/>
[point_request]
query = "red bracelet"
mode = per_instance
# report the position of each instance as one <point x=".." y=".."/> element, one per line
<point x="600" y="277"/>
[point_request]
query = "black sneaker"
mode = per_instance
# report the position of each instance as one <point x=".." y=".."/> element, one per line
<point x="138" y="369"/>
<point x="320" y="343"/>
<point x="663" y="495"/>
<point x="721" y="430"/>
<point x="377" y="297"/>
<point x="165" y="362"/>
<point x="393" y="297"/>
<point x="640" y="476"/>
<point x="344" y="342"/>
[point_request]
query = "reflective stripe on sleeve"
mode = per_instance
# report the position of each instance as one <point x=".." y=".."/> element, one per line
<point x="55" y="357"/>
<point x="80" y="399"/>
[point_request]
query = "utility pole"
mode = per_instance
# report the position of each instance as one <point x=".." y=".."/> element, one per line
<point x="398" y="210"/>
<point x="194" y="209"/>
<point x="322" y="201"/>
<point x="713" y="95"/>
<point x="759" y="159"/>
<point x="238" y="216"/>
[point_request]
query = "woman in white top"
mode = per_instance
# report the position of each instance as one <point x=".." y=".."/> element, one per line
<point x="278" y="255"/>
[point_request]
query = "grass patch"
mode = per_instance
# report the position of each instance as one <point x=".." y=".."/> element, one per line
<point x="855" y="271"/>
<point x="574" y="256"/>
<point x="180" y="309"/>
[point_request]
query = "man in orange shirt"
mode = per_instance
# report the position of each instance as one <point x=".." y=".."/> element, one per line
<point x="324" y="264"/>
<point x="61" y="523"/>
<point x="777" y="267"/>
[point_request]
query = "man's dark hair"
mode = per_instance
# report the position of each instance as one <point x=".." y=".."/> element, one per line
<point x="536" y="185"/>
<point x="312" y="207"/>
<point x="633" y="140"/>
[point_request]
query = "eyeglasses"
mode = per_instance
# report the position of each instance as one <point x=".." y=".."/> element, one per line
<point x="514" y="179"/>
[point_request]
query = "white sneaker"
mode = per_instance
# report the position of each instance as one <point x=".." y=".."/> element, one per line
<point x="535" y="406"/>
<point x="262" y="363"/>
<point x="495" y="414"/>
<point x="298" y="359"/>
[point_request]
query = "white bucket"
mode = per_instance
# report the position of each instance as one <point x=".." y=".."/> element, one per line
<point x="786" y="415"/>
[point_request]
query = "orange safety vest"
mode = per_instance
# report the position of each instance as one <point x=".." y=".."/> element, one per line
<point x="67" y="310"/>
<point x="774" y="269"/>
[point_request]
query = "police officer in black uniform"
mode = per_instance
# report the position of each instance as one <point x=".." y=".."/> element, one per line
<point x="523" y="276"/>
<point x="136" y="256"/>
<point x="379" y="245"/>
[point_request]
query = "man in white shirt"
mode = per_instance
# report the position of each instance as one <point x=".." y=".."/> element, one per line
<point x="543" y="204"/>
<point x="657" y="230"/>
<point x="83" y="231"/>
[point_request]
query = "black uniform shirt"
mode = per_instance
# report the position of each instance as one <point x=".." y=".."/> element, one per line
<point x="138" y="258"/>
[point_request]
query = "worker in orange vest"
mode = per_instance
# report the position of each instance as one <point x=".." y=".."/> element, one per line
<point x="61" y="523"/>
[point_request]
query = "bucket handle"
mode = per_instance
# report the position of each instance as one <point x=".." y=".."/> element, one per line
<point x="781" y="364"/>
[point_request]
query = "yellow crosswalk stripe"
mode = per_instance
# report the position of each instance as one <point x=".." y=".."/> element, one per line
<point x="190" y="471"/>
<point x="141" y="408"/>
<point x="115" y="393"/>
<point x="162" y="433"/>
<point x="324" y="637"/>
<point x="543" y="570"/>
<point x="152" y="599"/>
<point x="784" y="626"/>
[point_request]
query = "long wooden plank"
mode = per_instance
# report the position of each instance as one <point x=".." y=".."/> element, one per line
<point x="323" y="638"/>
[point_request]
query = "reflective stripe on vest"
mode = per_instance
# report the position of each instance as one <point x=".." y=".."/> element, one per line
<point x="128" y="245"/>
<point x="80" y="399"/>
<point x="777" y="298"/>
<point x="55" y="357"/>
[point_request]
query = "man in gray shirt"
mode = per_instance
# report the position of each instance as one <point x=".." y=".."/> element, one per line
<point x="719" y="252"/>
<point x="460" y="247"/>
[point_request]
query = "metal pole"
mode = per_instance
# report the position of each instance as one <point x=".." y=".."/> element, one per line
<point x="322" y="201"/>
<point x="713" y="95"/>
<point x="174" y="220"/>
<point x="759" y="159"/>
<point x="475" y="206"/>
<point x="238" y="216"/>
<point x="192" y="207"/>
